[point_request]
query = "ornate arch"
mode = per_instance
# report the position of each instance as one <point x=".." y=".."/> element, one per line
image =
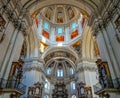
<point x="65" y="49"/>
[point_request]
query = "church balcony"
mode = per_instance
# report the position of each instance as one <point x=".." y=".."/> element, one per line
<point x="106" y="88"/>
<point x="12" y="86"/>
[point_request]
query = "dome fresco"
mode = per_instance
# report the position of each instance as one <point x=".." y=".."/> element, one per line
<point x="60" y="14"/>
<point x="59" y="54"/>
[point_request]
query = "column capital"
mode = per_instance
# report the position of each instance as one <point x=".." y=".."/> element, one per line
<point x="33" y="64"/>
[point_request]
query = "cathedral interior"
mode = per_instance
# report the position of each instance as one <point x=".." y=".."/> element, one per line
<point x="59" y="48"/>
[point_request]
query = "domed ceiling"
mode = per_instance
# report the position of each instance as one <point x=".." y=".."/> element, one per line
<point x="59" y="25"/>
<point x="60" y="14"/>
<point x="60" y="65"/>
<point x="60" y="69"/>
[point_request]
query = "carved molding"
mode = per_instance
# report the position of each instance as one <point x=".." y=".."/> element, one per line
<point x="103" y="21"/>
<point x="86" y="68"/>
<point x="14" y="12"/>
<point x="85" y="59"/>
<point x="36" y="68"/>
<point x="30" y="60"/>
<point x="33" y="64"/>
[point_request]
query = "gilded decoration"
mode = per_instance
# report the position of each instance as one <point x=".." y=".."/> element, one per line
<point x="97" y="52"/>
<point x="60" y="14"/>
<point x="48" y="13"/>
<point x="59" y="17"/>
<point x="77" y="46"/>
<point x="71" y="13"/>
<point x="34" y="14"/>
<point x="43" y="46"/>
<point x="60" y="54"/>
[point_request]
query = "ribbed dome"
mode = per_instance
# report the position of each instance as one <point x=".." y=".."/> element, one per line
<point x="60" y="68"/>
<point x="60" y="14"/>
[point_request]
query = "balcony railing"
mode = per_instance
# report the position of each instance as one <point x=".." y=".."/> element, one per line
<point x="12" y="84"/>
<point x="107" y="85"/>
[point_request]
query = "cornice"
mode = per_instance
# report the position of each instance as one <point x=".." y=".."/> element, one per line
<point x="85" y="60"/>
<point x="53" y="80"/>
<point x="108" y="15"/>
<point x="33" y="67"/>
<point x="86" y="68"/>
<point x="33" y="64"/>
<point x="34" y="59"/>
<point x="15" y="14"/>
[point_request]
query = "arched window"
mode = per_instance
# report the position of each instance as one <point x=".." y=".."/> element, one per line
<point x="60" y="73"/>
<point x="46" y="96"/>
<point x="48" y="71"/>
<point x="71" y="71"/>
<point x="46" y="86"/>
<point x="73" y="87"/>
<point x="73" y="96"/>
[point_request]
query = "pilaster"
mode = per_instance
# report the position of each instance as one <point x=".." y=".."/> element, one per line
<point x="101" y="29"/>
<point x="87" y="73"/>
<point x="33" y="72"/>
